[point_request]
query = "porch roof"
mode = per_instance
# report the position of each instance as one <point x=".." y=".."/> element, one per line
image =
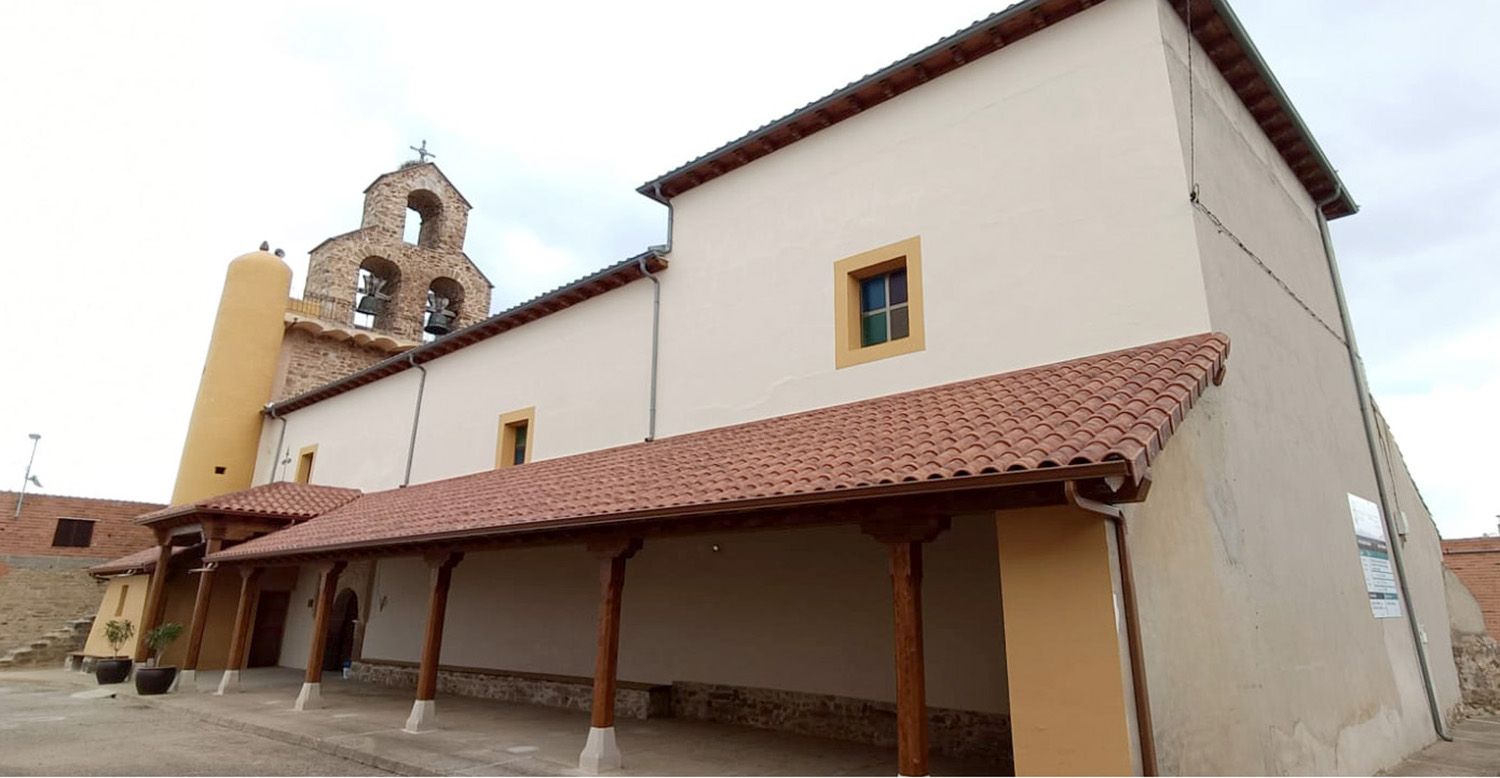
<point x="284" y="500"/>
<point x="1101" y="416"/>
<point x="143" y="561"/>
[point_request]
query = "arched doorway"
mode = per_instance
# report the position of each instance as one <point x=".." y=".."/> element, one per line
<point x="339" y="648"/>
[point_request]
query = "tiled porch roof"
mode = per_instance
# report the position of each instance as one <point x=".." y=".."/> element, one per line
<point x="279" y="500"/>
<point x="1115" y="407"/>
<point x="143" y="560"/>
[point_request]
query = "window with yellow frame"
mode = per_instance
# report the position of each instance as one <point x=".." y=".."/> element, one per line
<point x="513" y="444"/>
<point x="305" y="459"/>
<point x="877" y="301"/>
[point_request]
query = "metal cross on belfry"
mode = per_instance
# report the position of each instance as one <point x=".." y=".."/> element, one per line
<point x="423" y="153"/>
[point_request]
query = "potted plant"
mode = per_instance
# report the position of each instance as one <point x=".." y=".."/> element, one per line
<point x="154" y="679"/>
<point x="116" y="668"/>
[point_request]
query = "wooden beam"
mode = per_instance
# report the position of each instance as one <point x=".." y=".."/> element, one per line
<point x="240" y="638"/>
<point x="440" y="567"/>
<point x="328" y="585"/>
<point x="612" y="555"/>
<point x="156" y="595"/>
<point x="904" y="539"/>
<point x="200" y="608"/>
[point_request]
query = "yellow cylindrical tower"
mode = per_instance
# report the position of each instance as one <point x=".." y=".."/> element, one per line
<point x="238" y="377"/>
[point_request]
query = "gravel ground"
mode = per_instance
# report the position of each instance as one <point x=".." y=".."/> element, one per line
<point x="44" y="730"/>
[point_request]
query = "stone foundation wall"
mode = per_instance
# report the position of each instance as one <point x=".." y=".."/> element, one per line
<point x="638" y="701"/>
<point x="968" y="735"/>
<point x="39" y="596"/>
<point x="981" y="738"/>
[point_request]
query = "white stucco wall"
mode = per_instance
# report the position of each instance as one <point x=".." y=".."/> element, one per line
<point x="1263" y="654"/>
<point x="1043" y="180"/>
<point x="806" y="610"/>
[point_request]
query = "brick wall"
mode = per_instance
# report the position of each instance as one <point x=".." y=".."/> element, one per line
<point x="1476" y="562"/>
<point x="42" y="587"/>
<point x="31" y="535"/>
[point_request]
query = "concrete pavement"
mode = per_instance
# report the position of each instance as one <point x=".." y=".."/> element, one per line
<point x="363" y="723"/>
<point x="44" y="730"/>
<point x="1475" y="750"/>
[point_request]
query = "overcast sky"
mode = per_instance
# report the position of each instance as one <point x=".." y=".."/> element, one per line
<point x="147" y="144"/>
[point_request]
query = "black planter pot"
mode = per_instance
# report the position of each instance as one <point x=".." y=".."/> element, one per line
<point x="154" y="680"/>
<point x="108" y="671"/>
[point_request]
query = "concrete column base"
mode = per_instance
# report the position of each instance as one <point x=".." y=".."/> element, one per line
<point x="229" y="683"/>
<point x="188" y="679"/>
<point x="310" y="698"/>
<point x="601" y="752"/>
<point x="423" y="717"/>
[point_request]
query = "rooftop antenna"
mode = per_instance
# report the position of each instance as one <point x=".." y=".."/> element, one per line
<point x="29" y="479"/>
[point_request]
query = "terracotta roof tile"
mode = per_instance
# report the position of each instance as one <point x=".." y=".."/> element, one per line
<point x="143" y="560"/>
<point x="1117" y="406"/>
<point x="282" y="499"/>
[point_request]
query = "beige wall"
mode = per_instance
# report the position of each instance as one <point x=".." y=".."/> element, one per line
<point x="807" y="610"/>
<point x="111" y="607"/>
<point x="1280" y="667"/>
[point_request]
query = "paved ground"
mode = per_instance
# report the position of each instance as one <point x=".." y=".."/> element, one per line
<point x="1475" y="750"/>
<point x="46" y="731"/>
<point x="362" y="723"/>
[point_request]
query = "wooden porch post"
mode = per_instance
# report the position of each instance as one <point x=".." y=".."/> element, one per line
<point x="155" y="598"/>
<point x="905" y="540"/>
<point x="601" y="751"/>
<point x="423" y="716"/>
<point x="311" y="695"/>
<point x="200" y="616"/>
<point x="240" y="639"/>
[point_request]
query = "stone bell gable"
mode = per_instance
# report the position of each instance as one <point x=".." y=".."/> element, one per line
<point x="436" y="261"/>
<point x="333" y="330"/>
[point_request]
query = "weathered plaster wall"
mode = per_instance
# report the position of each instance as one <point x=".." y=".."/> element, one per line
<point x="1262" y="651"/>
<point x="805" y="610"/>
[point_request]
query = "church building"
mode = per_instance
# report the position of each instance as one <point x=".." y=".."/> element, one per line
<point x="1001" y="406"/>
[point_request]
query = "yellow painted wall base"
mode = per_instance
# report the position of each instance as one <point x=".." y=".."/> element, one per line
<point x="1070" y="695"/>
<point x="124" y="600"/>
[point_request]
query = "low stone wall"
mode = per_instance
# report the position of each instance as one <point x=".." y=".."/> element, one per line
<point x="41" y="594"/>
<point x="1478" y="661"/>
<point x="967" y="735"/>
<point x="982" y="738"/>
<point x="632" y="700"/>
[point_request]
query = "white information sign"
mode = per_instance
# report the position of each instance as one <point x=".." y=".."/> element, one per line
<point x="1375" y="558"/>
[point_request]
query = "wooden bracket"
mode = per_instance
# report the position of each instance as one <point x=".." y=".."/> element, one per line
<point x="918" y="529"/>
<point x="614" y="548"/>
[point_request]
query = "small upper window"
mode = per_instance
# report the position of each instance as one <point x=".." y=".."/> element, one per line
<point x="74" y="533"/>
<point x="514" y="446"/>
<point x="883" y="311"/>
<point x="305" y="460"/>
<point x="877" y="304"/>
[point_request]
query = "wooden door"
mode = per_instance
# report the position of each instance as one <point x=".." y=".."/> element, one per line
<point x="270" y="626"/>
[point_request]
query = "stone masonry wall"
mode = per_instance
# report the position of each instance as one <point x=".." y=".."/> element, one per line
<point x="39" y="595"/>
<point x="967" y="735"/>
<point x="982" y="738"/>
<point x="334" y="264"/>
<point x="637" y="701"/>
<point x="310" y="361"/>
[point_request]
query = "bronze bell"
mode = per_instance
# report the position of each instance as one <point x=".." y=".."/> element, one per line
<point x="370" y="305"/>
<point x="439" y="322"/>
